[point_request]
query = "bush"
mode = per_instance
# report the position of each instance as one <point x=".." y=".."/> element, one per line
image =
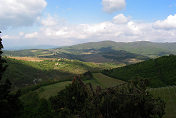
<point x="130" y="100"/>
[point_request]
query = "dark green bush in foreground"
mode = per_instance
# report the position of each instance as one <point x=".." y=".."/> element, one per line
<point x="126" y="101"/>
<point x="10" y="105"/>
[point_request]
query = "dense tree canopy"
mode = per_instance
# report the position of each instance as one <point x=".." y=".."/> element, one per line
<point x="129" y="100"/>
<point x="9" y="103"/>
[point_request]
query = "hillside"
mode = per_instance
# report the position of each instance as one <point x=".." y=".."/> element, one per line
<point x="160" y="71"/>
<point x="102" y="55"/>
<point x="29" y="71"/>
<point x="150" y="49"/>
<point x="101" y="52"/>
<point x="168" y="94"/>
<point x="97" y="79"/>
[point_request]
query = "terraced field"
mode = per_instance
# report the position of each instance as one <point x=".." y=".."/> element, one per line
<point x="168" y="94"/>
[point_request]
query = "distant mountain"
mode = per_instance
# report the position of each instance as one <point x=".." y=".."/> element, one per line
<point x="31" y="47"/>
<point x="105" y="51"/>
<point x="160" y="72"/>
<point x="150" y="49"/>
<point x="102" y="55"/>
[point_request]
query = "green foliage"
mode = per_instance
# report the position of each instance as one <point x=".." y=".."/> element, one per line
<point x="35" y="107"/>
<point x="131" y="101"/>
<point x="160" y="71"/>
<point x="10" y="105"/>
<point x="73" y="98"/>
<point x="126" y="101"/>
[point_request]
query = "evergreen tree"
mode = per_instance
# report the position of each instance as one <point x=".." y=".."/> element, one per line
<point x="9" y="103"/>
<point x="2" y="68"/>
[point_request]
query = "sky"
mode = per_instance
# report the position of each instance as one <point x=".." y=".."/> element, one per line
<point x="67" y="22"/>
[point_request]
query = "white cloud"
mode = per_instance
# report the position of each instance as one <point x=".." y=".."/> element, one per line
<point x="5" y="37"/>
<point x="20" y="12"/>
<point x="120" y="19"/>
<point x="169" y="23"/>
<point x="134" y="27"/>
<point x="21" y="33"/>
<point x="31" y="35"/>
<point x="113" y="5"/>
<point x="120" y="29"/>
<point x="49" y="21"/>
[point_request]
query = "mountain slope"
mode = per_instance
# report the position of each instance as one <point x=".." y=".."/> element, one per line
<point x="22" y="72"/>
<point x="105" y="51"/>
<point x="97" y="79"/>
<point x="160" y="71"/>
<point x="140" y="47"/>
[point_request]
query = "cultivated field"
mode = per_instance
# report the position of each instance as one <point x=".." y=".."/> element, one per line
<point x="98" y="80"/>
<point x="168" y="94"/>
<point x="106" y="81"/>
<point x="27" y="59"/>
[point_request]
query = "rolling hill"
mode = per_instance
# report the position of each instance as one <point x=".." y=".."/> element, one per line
<point x="102" y="55"/>
<point x="23" y="71"/>
<point x="105" y="51"/>
<point x="97" y="79"/>
<point x="160" y="71"/>
<point x="150" y="49"/>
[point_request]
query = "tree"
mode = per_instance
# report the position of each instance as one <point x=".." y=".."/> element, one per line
<point x="2" y="67"/>
<point x="73" y="99"/>
<point x="129" y="100"/>
<point x="9" y="103"/>
<point x="34" y="107"/>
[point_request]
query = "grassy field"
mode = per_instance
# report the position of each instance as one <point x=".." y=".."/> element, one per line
<point x="106" y="81"/>
<point x="52" y="90"/>
<point x="97" y="80"/>
<point x="168" y="94"/>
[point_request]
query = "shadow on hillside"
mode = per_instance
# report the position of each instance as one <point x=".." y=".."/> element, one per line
<point x="102" y="55"/>
<point x="21" y="74"/>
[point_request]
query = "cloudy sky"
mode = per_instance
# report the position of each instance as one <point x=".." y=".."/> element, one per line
<point x="67" y="22"/>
